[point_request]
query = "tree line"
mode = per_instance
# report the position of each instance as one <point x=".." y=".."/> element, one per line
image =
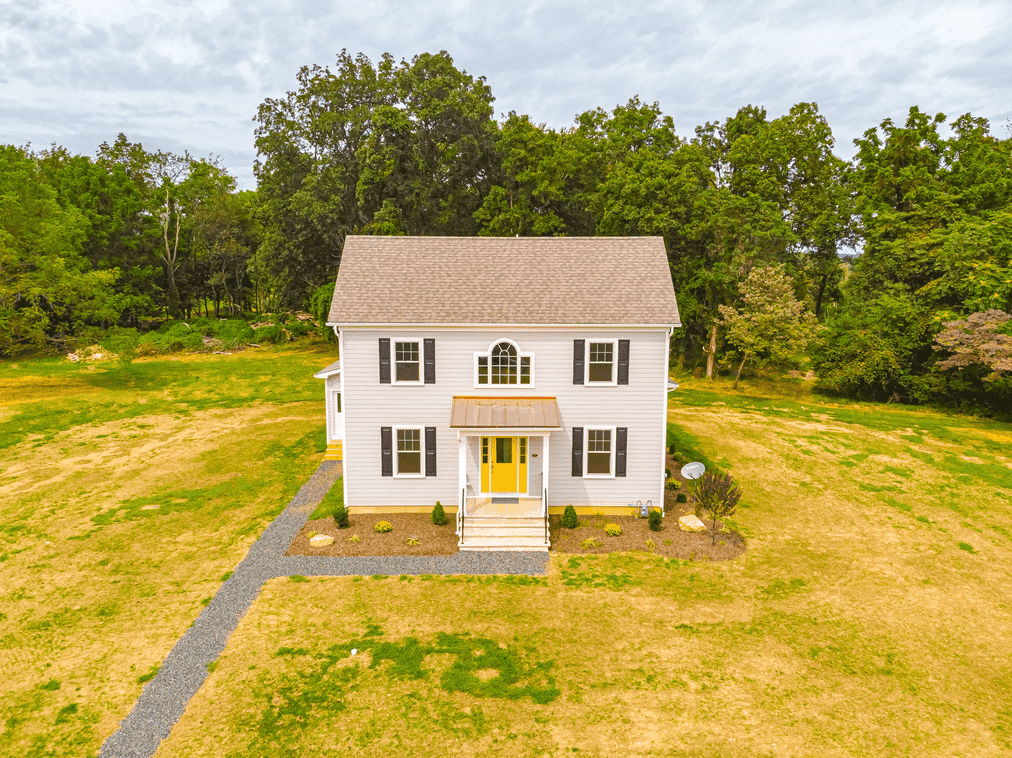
<point x="748" y="206"/>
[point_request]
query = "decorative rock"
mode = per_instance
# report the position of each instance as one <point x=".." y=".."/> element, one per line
<point x="691" y="523"/>
<point x="320" y="540"/>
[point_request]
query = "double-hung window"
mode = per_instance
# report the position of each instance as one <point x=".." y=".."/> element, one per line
<point x="601" y="362"/>
<point x="409" y="452"/>
<point x="599" y="452"/>
<point x="406" y="362"/>
<point x="503" y="364"/>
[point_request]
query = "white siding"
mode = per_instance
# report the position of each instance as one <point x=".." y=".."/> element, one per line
<point x="369" y="405"/>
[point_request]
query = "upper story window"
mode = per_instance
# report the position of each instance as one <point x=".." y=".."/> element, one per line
<point x="601" y="362"/>
<point x="406" y="362"/>
<point x="503" y="364"/>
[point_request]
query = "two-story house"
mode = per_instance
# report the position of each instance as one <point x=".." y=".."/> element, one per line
<point x="504" y="377"/>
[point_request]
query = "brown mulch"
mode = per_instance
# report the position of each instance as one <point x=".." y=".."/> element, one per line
<point x="432" y="539"/>
<point x="670" y="541"/>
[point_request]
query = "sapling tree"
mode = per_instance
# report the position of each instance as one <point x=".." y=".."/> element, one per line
<point x="769" y="322"/>
<point x="719" y="494"/>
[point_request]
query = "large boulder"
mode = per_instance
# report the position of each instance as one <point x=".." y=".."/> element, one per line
<point x="691" y="523"/>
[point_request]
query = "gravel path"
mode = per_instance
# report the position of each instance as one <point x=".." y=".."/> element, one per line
<point x="184" y="670"/>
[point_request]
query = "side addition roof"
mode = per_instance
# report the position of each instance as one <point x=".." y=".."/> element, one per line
<point x="504" y="280"/>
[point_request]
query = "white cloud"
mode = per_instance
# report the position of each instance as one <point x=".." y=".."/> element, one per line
<point x="191" y="74"/>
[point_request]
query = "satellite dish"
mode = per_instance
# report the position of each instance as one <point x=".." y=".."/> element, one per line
<point x="693" y="470"/>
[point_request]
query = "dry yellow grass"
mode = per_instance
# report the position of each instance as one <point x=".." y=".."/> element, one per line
<point x="870" y="617"/>
<point x="98" y="584"/>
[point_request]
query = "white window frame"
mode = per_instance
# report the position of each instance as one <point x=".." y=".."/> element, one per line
<point x="614" y="363"/>
<point x="421" y="452"/>
<point x="586" y="449"/>
<point x="488" y="355"/>
<point x="421" y="360"/>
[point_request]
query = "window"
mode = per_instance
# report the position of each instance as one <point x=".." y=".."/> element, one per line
<point x="503" y="364"/>
<point x="409" y="452"/>
<point x="599" y="451"/>
<point x="523" y="450"/>
<point x="406" y="360"/>
<point x="484" y="449"/>
<point x="601" y="366"/>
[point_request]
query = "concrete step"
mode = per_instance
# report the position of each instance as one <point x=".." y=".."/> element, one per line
<point x="506" y="523"/>
<point x="503" y="543"/>
<point x="498" y="531"/>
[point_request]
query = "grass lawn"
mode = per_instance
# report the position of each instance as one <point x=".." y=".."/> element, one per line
<point x="870" y="616"/>
<point x="126" y="494"/>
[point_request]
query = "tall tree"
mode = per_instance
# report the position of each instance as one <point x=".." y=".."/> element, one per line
<point x="47" y="286"/>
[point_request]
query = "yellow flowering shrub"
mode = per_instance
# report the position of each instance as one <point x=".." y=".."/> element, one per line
<point x="612" y="530"/>
<point x="384" y="526"/>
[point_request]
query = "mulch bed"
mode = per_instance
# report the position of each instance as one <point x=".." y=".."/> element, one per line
<point x="670" y="541"/>
<point x="432" y="539"/>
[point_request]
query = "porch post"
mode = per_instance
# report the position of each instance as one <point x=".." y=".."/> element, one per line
<point x="461" y="464"/>
<point x="545" y="444"/>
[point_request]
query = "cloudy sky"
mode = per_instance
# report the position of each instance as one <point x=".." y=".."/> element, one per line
<point x="190" y="75"/>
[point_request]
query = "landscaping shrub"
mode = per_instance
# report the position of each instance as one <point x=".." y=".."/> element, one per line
<point x="681" y="498"/>
<point x="673" y="484"/>
<point x="592" y="542"/>
<point x="667" y="473"/>
<point x="612" y="530"/>
<point x="438" y="514"/>
<point x="341" y="516"/>
<point x="654" y="521"/>
<point x="384" y="526"/>
<point x="569" y="519"/>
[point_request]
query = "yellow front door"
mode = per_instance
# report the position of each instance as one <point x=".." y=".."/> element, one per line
<point x="504" y="464"/>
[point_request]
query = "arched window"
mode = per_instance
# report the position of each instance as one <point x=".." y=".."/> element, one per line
<point x="503" y="364"/>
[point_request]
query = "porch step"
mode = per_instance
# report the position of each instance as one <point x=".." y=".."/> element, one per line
<point x="498" y="531"/>
<point x="501" y="523"/>
<point x="504" y="543"/>
<point x="335" y="451"/>
<point x="491" y="533"/>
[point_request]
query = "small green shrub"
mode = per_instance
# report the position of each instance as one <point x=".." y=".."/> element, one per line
<point x="682" y="498"/>
<point x="354" y="538"/>
<point x="569" y="519"/>
<point x="341" y="516"/>
<point x="591" y="542"/>
<point x="384" y="526"/>
<point x="673" y="484"/>
<point x="612" y="530"/>
<point x="438" y="514"/>
<point x="651" y="545"/>
<point x="412" y="541"/>
<point x="667" y="473"/>
<point x="654" y="521"/>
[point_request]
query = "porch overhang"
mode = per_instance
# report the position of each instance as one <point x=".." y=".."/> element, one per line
<point x="504" y="413"/>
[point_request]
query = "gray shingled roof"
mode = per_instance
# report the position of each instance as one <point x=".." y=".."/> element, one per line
<point x="504" y="280"/>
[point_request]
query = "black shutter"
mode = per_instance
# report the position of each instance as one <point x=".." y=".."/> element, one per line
<point x="621" y="435"/>
<point x="578" y="448"/>
<point x="430" y="450"/>
<point x="430" y="361"/>
<point x="387" y="443"/>
<point x="623" y="361"/>
<point x="384" y="360"/>
<point x="578" y="358"/>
